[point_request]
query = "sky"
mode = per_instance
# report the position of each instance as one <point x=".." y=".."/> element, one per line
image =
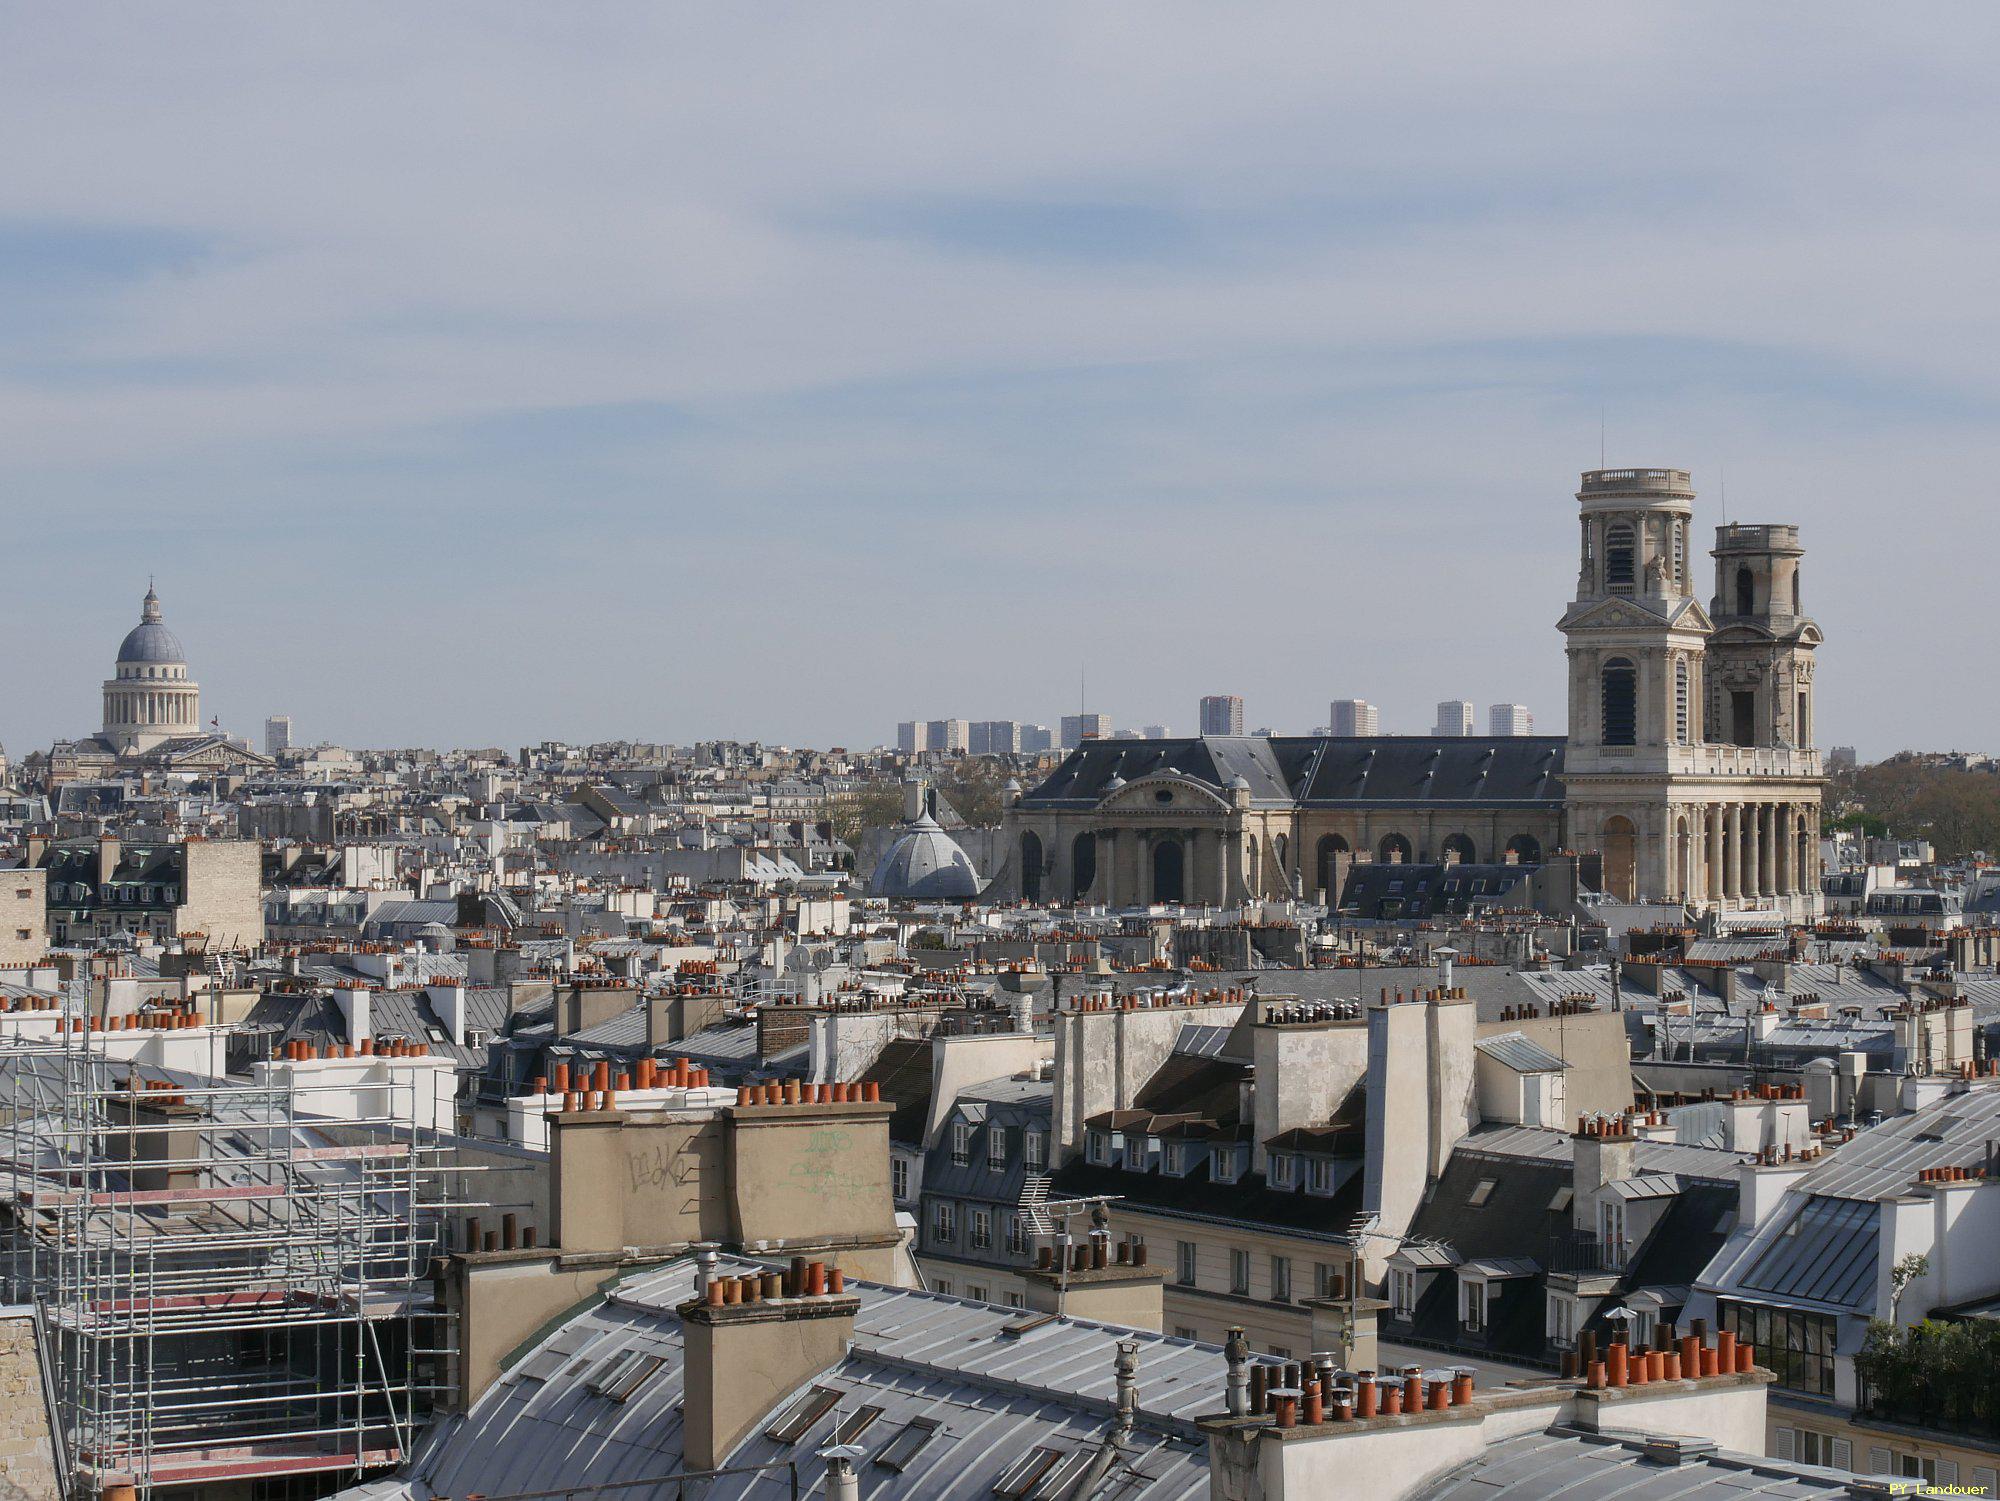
<point x="479" y="374"/>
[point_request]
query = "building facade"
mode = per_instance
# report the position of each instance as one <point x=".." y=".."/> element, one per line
<point x="1688" y="765"/>
<point x="1509" y="719"/>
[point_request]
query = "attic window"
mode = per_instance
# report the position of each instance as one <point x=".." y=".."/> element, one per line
<point x="802" y="1414"/>
<point x="1561" y="1201"/>
<point x="909" y="1441"/>
<point x="1482" y="1191"/>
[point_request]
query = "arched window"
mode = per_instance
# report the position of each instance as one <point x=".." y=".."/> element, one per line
<point x="1796" y="608"/>
<point x="1459" y="850"/>
<point x="1331" y="847"/>
<point x="1621" y="862"/>
<point x="1031" y="867"/>
<point x="1746" y="592"/>
<point x="1394" y="849"/>
<point x="1620" y="566"/>
<point x="1524" y="849"/>
<point x="1083" y="865"/>
<point x="1168" y="865"/>
<point x="1620" y="703"/>
<point x="1681" y="702"/>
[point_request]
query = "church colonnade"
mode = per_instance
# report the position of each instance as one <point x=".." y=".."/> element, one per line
<point x="1723" y="852"/>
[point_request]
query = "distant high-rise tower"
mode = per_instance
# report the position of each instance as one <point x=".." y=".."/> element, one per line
<point x="1454" y="717"/>
<point x="949" y="735"/>
<point x="1509" y="719"/>
<point x="277" y="734"/>
<point x="1354" y="716"/>
<point x="1076" y="728"/>
<point x="913" y="737"/>
<point x="1222" y="714"/>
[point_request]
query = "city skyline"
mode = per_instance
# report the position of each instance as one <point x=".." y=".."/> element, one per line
<point x="477" y="396"/>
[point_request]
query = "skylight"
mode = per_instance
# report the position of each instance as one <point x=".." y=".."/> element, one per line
<point x="802" y="1414"/>
<point x="909" y="1441"/>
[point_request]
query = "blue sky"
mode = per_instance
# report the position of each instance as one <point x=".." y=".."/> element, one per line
<point x="470" y="374"/>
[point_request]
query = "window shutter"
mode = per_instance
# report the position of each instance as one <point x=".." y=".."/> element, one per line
<point x="1784" y="1443"/>
<point x="1947" y="1473"/>
<point x="1843" y="1454"/>
<point x="1878" y="1462"/>
<point x="1985" y="1480"/>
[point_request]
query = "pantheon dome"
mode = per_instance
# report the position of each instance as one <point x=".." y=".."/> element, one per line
<point x="149" y="697"/>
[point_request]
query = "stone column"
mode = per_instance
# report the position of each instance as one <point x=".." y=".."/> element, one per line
<point x="1787" y="877"/>
<point x="1767" y="871"/>
<point x="1732" y="858"/>
<point x="1713" y="819"/>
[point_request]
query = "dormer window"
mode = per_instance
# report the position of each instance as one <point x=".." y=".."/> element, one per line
<point x="1174" y="1162"/>
<point x="1284" y="1170"/>
<point x="1098" y="1147"/>
<point x="1320" y="1176"/>
<point x="1402" y="1292"/>
<point x="961" y="1143"/>
<point x="1230" y="1163"/>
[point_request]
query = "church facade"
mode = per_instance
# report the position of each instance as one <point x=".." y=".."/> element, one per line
<point x="1688" y="766"/>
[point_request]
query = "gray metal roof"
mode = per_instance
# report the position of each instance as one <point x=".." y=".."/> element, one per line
<point x="915" y="1355"/>
<point x="1884" y="1160"/>
<point x="1651" y="1186"/>
<point x="1563" y="1464"/>
<point x="1521" y="1053"/>
<point x="1709" y="1163"/>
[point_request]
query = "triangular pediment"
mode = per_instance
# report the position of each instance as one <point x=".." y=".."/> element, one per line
<point x="1620" y="613"/>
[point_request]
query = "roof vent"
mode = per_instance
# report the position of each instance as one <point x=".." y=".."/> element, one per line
<point x="1665" y="1449"/>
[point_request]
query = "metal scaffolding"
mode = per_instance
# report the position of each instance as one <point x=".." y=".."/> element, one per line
<point x="230" y="1284"/>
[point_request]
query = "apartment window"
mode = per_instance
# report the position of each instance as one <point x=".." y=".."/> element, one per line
<point x="1175" y="1160"/>
<point x="1017" y="1235"/>
<point x="22" y="894"/>
<point x="1402" y="1292"/>
<point x="943" y="1288"/>
<point x="1239" y="1273"/>
<point x="961" y="1143"/>
<point x="1186" y="1331"/>
<point x="1284" y="1170"/>
<point x="982" y="1230"/>
<point x="899" y="1177"/>
<point x="1184" y="1253"/>
<point x="975" y="1292"/>
<point x="1229" y="1163"/>
<point x="944" y="1224"/>
<point x="1035" y="1150"/>
<point x="1281" y="1279"/>
<point x="1798" y="1347"/>
<point x="1099" y="1148"/>
<point x="1013" y="1300"/>
<point x="1323" y="1275"/>
<point x="996" y="1148"/>
<point x="1562" y="1321"/>
<point x="1281" y="1352"/>
<point x="1474" y="1294"/>
<point x="1482" y="1191"/>
<point x="1611" y="1232"/>
<point x="1319" y="1178"/>
<point x="21" y="933"/>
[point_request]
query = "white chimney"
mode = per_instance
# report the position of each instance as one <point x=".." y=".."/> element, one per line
<point x="353" y="1003"/>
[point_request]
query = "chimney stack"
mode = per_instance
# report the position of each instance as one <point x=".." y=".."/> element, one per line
<point x="748" y="1350"/>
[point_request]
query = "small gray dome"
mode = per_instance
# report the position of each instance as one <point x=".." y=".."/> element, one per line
<point x="925" y="864"/>
<point x="1239" y="781"/>
<point x="150" y="641"/>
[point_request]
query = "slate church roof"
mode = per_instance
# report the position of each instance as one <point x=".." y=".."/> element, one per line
<point x="1322" y="771"/>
